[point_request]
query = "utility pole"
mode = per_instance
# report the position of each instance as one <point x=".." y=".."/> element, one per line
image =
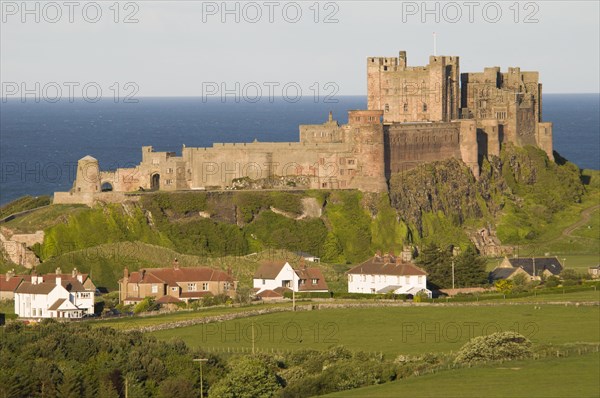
<point x="201" y="376"/>
<point x="252" y="337"/>
<point x="293" y="290"/>
<point x="452" y="274"/>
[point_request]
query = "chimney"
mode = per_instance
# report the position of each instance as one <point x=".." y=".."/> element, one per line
<point x="175" y="264"/>
<point x="74" y="273"/>
<point x="79" y="278"/>
<point x="125" y="273"/>
<point x="58" y="271"/>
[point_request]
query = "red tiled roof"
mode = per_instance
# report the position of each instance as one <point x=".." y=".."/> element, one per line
<point x="168" y="300"/>
<point x="10" y="285"/>
<point x="269" y="270"/>
<point x="171" y="276"/>
<point x="269" y="294"/>
<point x="386" y="265"/>
<point x="308" y="274"/>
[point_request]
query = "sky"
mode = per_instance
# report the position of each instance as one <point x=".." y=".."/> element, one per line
<point x="195" y="48"/>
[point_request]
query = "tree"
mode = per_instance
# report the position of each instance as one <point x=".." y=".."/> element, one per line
<point x="504" y="286"/>
<point x="250" y="377"/>
<point x="520" y="283"/>
<point x="177" y="387"/>
<point x="496" y="346"/>
<point x="570" y="277"/>
<point x="71" y="384"/>
<point x="438" y="264"/>
<point x="469" y="269"/>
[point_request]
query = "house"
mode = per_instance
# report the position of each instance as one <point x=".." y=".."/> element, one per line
<point x="594" y="272"/>
<point x="8" y="285"/>
<point x="53" y="298"/>
<point x="175" y="285"/>
<point x="532" y="267"/>
<point x="387" y="274"/>
<point x="275" y="276"/>
<point x="308" y="257"/>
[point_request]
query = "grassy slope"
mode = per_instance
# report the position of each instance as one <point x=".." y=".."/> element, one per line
<point x="396" y="330"/>
<point x="575" y="376"/>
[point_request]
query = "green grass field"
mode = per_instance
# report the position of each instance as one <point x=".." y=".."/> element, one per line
<point x="575" y="376"/>
<point x="136" y="322"/>
<point x="394" y="330"/>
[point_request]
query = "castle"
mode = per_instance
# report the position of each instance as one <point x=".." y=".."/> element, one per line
<point x="415" y="114"/>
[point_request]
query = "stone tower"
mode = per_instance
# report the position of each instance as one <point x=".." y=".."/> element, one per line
<point x="366" y="131"/>
<point x="414" y="94"/>
<point x="88" y="176"/>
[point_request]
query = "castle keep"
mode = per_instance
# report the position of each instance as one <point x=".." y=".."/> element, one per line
<point x="416" y="114"/>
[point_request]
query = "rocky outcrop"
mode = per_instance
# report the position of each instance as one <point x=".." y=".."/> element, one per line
<point x="16" y="247"/>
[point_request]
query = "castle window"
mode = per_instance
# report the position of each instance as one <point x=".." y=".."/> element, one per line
<point x="350" y="161"/>
<point x="155" y="162"/>
<point x="342" y="172"/>
<point x="385" y="67"/>
<point x="324" y="185"/>
<point x="169" y="170"/>
<point x="387" y="108"/>
<point x="357" y="118"/>
<point x="169" y="182"/>
<point x="405" y="107"/>
<point x="424" y="107"/>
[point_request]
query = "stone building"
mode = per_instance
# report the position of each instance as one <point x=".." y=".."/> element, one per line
<point x="416" y="114"/>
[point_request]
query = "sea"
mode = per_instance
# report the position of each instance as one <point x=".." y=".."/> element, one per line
<point x="40" y="142"/>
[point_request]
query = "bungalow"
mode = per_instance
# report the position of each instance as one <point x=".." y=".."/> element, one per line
<point x="532" y="267"/>
<point x="308" y="257"/>
<point x="387" y="274"/>
<point x="59" y="298"/>
<point x="278" y="275"/>
<point x="175" y="285"/>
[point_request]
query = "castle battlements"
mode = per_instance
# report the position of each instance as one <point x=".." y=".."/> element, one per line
<point x="415" y="115"/>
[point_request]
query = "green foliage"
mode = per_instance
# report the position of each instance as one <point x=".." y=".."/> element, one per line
<point x="552" y="281"/>
<point x="520" y="282"/>
<point x="249" y="377"/>
<point x="504" y="286"/>
<point x="438" y="265"/>
<point x="570" y="277"/>
<point x="350" y="223"/>
<point x="500" y="346"/>
<point x="22" y="204"/>
<point x="97" y="226"/>
<point x="74" y="360"/>
<point x="277" y="231"/>
<point x="145" y="305"/>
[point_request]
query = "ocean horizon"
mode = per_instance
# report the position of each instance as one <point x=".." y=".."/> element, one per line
<point x="40" y="143"/>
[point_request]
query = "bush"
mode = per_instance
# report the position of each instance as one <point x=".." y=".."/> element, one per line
<point x="497" y="346"/>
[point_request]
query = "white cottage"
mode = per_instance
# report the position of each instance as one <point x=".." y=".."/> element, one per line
<point x="387" y="274"/>
<point x="280" y="275"/>
<point x="59" y="298"/>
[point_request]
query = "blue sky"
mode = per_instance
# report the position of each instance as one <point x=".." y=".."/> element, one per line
<point x="172" y="49"/>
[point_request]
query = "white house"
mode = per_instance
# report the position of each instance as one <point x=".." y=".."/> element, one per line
<point x="387" y="274"/>
<point x="276" y="276"/>
<point x="59" y="298"/>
